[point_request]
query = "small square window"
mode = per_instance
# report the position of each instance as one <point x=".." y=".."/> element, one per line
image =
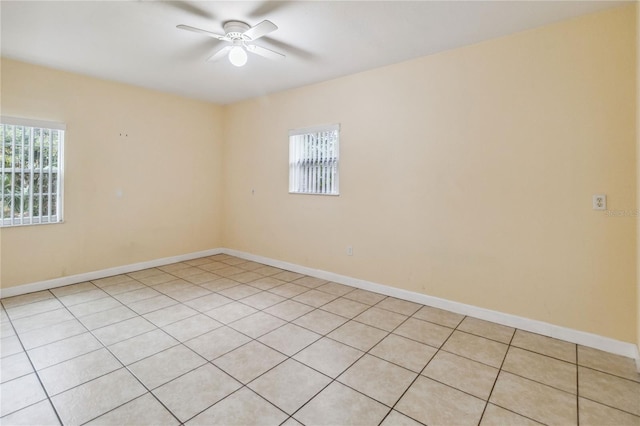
<point x="313" y="160"/>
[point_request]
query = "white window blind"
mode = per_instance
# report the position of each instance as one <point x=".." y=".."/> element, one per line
<point x="31" y="171"/>
<point x="313" y="160"/>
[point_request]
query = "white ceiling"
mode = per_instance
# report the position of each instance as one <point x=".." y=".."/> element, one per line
<point x="137" y="42"/>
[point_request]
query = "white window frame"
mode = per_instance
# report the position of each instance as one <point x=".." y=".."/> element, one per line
<point x="314" y="160"/>
<point x="26" y="142"/>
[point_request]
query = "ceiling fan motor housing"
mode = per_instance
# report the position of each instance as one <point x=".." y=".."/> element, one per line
<point x="235" y="29"/>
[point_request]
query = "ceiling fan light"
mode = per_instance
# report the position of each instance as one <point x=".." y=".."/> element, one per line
<point x="238" y="56"/>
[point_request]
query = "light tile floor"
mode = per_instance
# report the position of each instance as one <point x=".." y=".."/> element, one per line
<point x="221" y="340"/>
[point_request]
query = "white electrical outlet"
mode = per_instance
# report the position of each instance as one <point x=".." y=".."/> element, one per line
<point x="599" y="202"/>
<point x="349" y="251"/>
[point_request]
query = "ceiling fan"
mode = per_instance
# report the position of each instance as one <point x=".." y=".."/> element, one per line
<point x="240" y="36"/>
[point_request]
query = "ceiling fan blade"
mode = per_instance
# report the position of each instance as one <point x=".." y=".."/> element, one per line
<point x="263" y="51"/>
<point x="220" y="53"/>
<point x="189" y="8"/>
<point x="268" y="7"/>
<point x="263" y="28"/>
<point x="198" y="30"/>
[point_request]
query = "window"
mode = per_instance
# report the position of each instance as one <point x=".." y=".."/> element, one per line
<point x="313" y="160"/>
<point x="31" y="170"/>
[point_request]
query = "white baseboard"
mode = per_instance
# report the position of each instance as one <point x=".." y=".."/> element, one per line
<point x="607" y="344"/>
<point x="94" y="275"/>
<point x="540" y="327"/>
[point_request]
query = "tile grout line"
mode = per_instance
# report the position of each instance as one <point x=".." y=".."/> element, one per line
<point x="506" y="353"/>
<point x="421" y="371"/>
<point x="242" y="386"/>
<point x="510" y="345"/>
<point x="612" y="407"/>
<point x="563" y="390"/>
<point x="577" y="387"/>
<point x="46" y="393"/>
<point x="351" y="364"/>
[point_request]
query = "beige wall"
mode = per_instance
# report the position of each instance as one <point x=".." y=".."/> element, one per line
<point x="168" y="170"/>
<point x="638" y="171"/>
<point x="466" y="175"/>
